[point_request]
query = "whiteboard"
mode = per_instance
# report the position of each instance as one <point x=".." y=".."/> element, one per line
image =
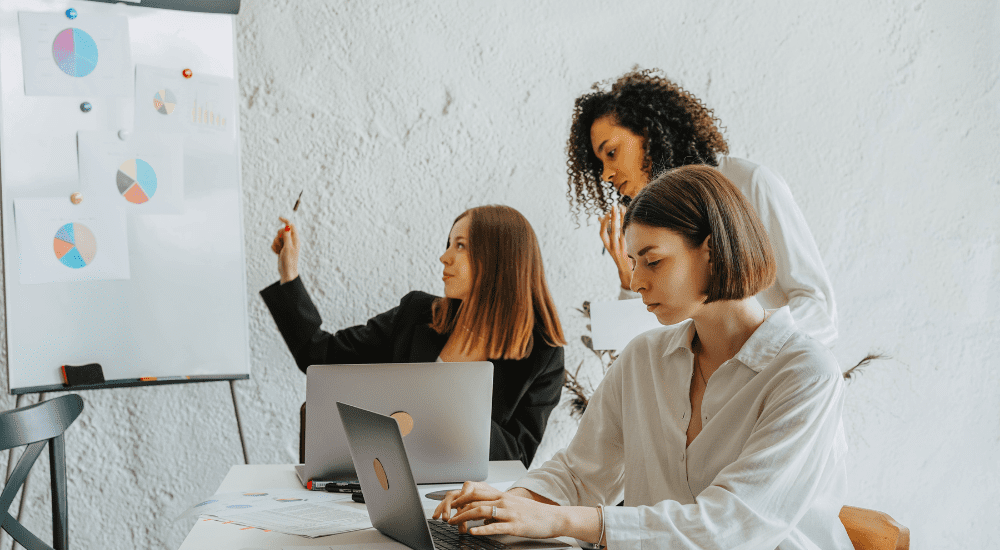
<point x="182" y="314"/>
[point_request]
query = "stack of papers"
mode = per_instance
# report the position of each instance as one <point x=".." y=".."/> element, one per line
<point x="292" y="511"/>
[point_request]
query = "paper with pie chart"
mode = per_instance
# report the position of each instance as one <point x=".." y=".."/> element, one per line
<point x="202" y="108"/>
<point x="59" y="241"/>
<point x="143" y="174"/>
<point x="89" y="55"/>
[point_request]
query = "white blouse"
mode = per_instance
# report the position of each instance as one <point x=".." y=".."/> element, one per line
<point x="802" y="282"/>
<point x="767" y="470"/>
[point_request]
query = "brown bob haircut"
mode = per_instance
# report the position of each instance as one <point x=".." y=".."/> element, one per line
<point x="698" y="202"/>
<point x="509" y="296"/>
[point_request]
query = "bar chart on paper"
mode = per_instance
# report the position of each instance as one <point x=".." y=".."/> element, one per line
<point x="205" y="114"/>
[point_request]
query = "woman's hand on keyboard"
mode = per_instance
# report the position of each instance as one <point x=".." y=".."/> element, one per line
<point x="503" y="513"/>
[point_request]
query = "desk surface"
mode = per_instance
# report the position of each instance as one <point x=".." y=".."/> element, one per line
<point x="211" y="534"/>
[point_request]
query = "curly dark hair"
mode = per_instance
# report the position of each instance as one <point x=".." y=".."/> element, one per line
<point x="677" y="129"/>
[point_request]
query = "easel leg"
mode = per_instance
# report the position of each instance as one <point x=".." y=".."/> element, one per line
<point x="239" y="423"/>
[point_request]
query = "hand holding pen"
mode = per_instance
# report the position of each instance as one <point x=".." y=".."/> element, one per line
<point x="286" y="246"/>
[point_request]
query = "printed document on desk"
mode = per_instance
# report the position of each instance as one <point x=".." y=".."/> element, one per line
<point x="292" y="511"/>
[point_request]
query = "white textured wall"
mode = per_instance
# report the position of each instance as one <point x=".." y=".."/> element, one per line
<point x="396" y="116"/>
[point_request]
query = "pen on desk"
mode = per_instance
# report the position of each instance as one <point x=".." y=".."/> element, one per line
<point x="353" y="488"/>
<point x="297" y="201"/>
<point x="343" y="490"/>
<point x="314" y="485"/>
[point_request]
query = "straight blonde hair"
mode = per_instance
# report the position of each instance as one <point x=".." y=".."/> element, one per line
<point x="509" y="295"/>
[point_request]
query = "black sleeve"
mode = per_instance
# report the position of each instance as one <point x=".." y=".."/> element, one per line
<point x="518" y="438"/>
<point x="299" y="322"/>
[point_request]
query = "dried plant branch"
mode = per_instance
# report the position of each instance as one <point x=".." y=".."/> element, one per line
<point x="854" y="371"/>
<point x="579" y="400"/>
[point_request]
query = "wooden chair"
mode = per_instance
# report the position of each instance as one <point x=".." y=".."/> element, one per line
<point x="35" y="426"/>
<point x="871" y="530"/>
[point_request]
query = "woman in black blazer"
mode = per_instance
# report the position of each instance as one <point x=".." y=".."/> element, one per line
<point x="496" y="307"/>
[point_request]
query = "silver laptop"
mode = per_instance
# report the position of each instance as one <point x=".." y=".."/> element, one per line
<point x="442" y="408"/>
<point x="391" y="495"/>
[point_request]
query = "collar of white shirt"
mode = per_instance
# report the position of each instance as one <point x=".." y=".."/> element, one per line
<point x="758" y="351"/>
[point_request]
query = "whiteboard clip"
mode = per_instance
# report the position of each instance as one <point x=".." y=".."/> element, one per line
<point x="123" y="135"/>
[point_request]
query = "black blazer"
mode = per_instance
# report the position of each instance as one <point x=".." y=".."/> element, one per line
<point x="524" y="391"/>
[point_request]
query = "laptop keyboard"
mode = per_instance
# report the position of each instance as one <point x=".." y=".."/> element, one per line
<point x="447" y="537"/>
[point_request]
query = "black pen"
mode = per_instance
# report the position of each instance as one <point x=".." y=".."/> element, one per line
<point x="329" y="485"/>
<point x="355" y="490"/>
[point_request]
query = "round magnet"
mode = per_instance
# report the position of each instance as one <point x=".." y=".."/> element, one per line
<point x="123" y="135"/>
<point x="71" y="13"/>
<point x="76" y="198"/>
<point x="86" y="106"/>
<point x="187" y="73"/>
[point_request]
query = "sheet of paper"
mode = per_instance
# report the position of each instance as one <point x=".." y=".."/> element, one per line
<point x="87" y="56"/>
<point x="617" y="322"/>
<point x="202" y="108"/>
<point x="59" y="241"/>
<point x="143" y="174"/>
<point x="292" y="511"/>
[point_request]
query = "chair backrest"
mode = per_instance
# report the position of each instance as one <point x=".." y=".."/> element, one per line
<point x="34" y="426"/>
<point x="872" y="530"/>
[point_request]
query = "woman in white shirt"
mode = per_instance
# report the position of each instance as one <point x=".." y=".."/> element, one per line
<point x="720" y="430"/>
<point x="623" y="137"/>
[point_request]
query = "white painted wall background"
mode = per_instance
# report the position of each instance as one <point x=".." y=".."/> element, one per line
<point x="396" y="116"/>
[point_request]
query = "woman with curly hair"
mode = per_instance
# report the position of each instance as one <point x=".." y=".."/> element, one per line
<point x="621" y="138"/>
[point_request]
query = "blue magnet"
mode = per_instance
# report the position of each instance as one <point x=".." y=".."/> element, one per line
<point x="85" y="106"/>
<point x="71" y="13"/>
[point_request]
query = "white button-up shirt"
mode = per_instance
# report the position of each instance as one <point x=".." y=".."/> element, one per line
<point x="766" y="471"/>
<point x="802" y="282"/>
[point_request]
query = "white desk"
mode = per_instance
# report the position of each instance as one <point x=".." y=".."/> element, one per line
<point x="212" y="535"/>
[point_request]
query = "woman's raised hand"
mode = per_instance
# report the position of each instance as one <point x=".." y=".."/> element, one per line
<point x="503" y="513"/>
<point x="286" y="246"/>
<point x="614" y="243"/>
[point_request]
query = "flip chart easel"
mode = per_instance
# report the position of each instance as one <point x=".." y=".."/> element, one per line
<point x="182" y="314"/>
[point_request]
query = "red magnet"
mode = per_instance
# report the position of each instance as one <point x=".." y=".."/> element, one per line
<point x="187" y="73"/>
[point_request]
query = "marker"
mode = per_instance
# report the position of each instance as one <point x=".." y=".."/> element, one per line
<point x="358" y="497"/>
<point x="297" y="201"/>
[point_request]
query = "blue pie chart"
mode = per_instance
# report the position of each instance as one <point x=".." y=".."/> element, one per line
<point x="75" y="52"/>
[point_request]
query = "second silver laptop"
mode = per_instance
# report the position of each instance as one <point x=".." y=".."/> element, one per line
<point x="443" y="410"/>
